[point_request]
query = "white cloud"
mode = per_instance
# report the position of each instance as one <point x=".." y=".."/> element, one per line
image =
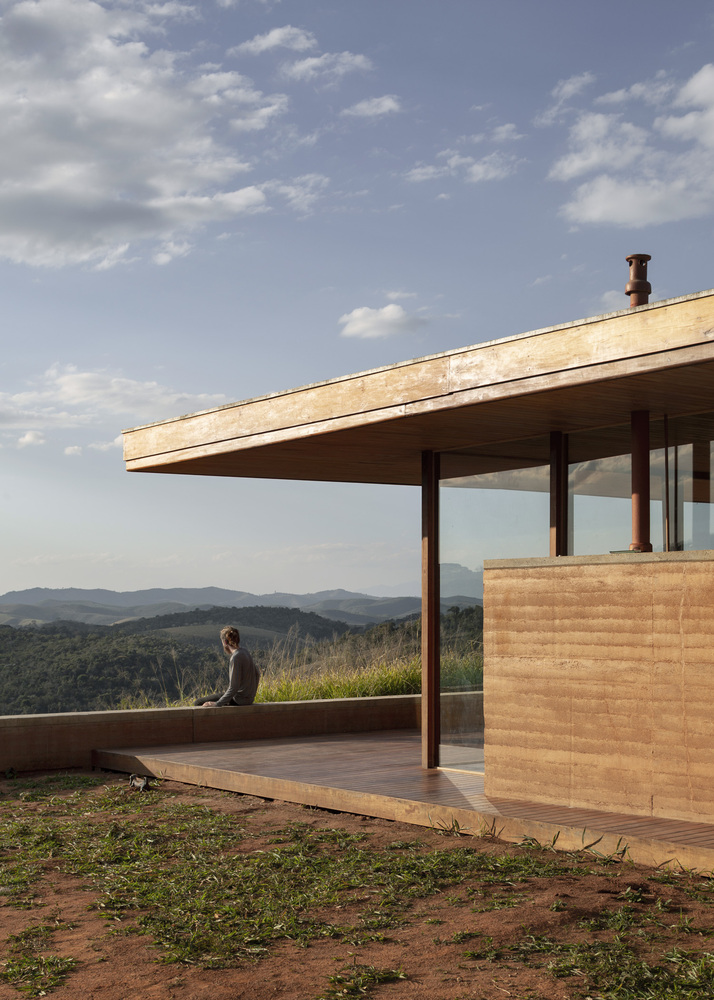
<point x="368" y="323"/>
<point x="286" y="37"/>
<point x="259" y="115"/>
<point x="599" y="142"/>
<point x="505" y="133"/>
<point x="614" y="300"/>
<point x="73" y="450"/>
<point x="330" y="67"/>
<point x="639" y="202"/>
<point x="31" y="438"/>
<point x="655" y="92"/>
<point x="394" y="296"/>
<point x="170" y="251"/>
<point x="698" y="125"/>
<point x="426" y="173"/>
<point x="374" y="107"/>
<point x="301" y="193"/>
<point x="234" y="3"/>
<point x="563" y="92"/>
<point x="644" y="175"/>
<point x="107" y="445"/>
<point x="64" y="397"/>
<point x="108" y="140"/>
<point x="493" y="167"/>
<point x="246" y="109"/>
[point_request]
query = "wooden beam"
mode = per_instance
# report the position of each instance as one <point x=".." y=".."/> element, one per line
<point x="430" y="611"/>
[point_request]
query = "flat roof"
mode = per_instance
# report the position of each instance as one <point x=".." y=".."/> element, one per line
<point x="371" y="427"/>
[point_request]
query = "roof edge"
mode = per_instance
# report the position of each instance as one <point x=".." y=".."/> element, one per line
<point x="430" y="357"/>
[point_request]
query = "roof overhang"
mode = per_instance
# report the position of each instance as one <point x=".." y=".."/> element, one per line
<point x="373" y="426"/>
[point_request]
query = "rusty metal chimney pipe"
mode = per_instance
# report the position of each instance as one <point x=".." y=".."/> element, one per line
<point x="638" y="287"/>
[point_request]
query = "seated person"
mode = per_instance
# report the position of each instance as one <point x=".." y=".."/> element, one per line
<point x="243" y="675"/>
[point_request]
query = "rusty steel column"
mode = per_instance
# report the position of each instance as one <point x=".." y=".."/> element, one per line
<point x="558" y="493"/>
<point x="430" y="611"/>
<point x="640" y="436"/>
<point x="638" y="287"/>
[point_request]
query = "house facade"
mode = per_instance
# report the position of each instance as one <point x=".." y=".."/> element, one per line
<point x="592" y="443"/>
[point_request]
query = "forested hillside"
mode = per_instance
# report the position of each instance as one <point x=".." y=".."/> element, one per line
<point x="72" y="666"/>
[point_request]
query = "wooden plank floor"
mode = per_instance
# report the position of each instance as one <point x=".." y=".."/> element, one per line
<point x="380" y="774"/>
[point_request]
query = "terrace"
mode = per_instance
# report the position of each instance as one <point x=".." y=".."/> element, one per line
<point x="359" y="756"/>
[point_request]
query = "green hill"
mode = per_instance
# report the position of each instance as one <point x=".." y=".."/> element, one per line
<point x="75" y="666"/>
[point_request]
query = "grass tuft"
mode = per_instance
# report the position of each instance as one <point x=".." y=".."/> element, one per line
<point x="359" y="981"/>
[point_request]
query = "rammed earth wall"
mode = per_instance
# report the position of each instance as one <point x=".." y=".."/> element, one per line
<point x="599" y="682"/>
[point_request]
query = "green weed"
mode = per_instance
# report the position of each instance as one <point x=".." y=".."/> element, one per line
<point x="29" y="971"/>
<point x="359" y="981"/>
<point x="36" y="975"/>
<point x="611" y="968"/>
<point x="35" y="789"/>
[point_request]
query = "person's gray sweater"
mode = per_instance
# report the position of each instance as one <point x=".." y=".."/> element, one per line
<point x="243" y="677"/>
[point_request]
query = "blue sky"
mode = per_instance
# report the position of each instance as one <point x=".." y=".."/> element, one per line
<point x="206" y="202"/>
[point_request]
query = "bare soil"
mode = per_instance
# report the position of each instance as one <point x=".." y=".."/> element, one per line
<point x="430" y="947"/>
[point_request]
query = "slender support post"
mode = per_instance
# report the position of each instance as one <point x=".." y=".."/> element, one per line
<point x="430" y="610"/>
<point x="640" y="427"/>
<point x="558" y="494"/>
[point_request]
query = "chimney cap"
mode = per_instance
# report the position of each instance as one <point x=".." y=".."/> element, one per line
<point x="638" y="287"/>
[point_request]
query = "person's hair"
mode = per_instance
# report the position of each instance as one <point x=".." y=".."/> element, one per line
<point x="231" y="636"/>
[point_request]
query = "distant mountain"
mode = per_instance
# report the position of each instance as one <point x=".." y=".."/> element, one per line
<point x="206" y="596"/>
<point x="108" y="607"/>
<point x="456" y="581"/>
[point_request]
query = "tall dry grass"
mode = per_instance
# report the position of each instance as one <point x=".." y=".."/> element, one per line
<point x="384" y="661"/>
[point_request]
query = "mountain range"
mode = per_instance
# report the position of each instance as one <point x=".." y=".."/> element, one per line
<point x="40" y="605"/>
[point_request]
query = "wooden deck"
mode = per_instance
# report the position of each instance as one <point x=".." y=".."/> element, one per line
<point x="380" y="774"/>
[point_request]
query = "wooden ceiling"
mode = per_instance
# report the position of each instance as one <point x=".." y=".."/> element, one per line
<point x="489" y="400"/>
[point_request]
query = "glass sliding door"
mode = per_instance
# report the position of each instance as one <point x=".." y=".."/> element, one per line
<point x="485" y="513"/>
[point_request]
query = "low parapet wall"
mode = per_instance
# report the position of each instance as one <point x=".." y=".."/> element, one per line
<point x="40" y="742"/>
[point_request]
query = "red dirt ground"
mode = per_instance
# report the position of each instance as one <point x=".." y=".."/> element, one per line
<point x="117" y="968"/>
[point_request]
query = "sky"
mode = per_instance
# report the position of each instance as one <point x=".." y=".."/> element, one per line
<point x="206" y="202"/>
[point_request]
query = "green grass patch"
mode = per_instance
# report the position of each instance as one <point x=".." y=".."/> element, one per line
<point x="34" y="789"/>
<point x="27" y="968"/>
<point x="214" y="890"/>
<point x="36" y="975"/>
<point x="359" y="981"/>
<point x="610" y="970"/>
<point x="191" y="879"/>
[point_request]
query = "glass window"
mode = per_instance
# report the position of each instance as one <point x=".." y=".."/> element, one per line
<point x="484" y="513"/>
<point x="681" y="471"/>
<point x="495" y="504"/>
